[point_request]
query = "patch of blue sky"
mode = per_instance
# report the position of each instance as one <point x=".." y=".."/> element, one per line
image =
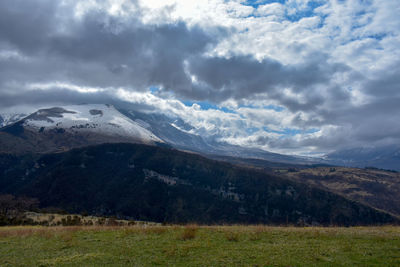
<point x="154" y="89"/>
<point x="296" y="16"/>
<point x="377" y="37"/>
<point x="306" y="12"/>
<point x="257" y="3"/>
<point x="205" y="105"/>
<point x="291" y="131"/>
<point x="252" y="130"/>
<point x="272" y="107"/>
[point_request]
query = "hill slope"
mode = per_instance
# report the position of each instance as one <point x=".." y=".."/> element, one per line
<point x="373" y="187"/>
<point x="165" y="185"/>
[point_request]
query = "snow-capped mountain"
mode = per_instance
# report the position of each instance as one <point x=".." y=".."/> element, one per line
<point x="98" y="118"/>
<point x="9" y="118"/>
<point x="66" y="127"/>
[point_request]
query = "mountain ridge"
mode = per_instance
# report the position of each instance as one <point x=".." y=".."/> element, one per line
<point x="157" y="129"/>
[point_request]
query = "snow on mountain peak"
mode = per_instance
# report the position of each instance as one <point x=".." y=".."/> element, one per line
<point x="9" y="118"/>
<point x="96" y="118"/>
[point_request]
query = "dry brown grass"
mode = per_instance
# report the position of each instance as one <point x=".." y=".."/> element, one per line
<point x="232" y="233"/>
<point x="46" y="231"/>
<point x="158" y="230"/>
<point x="256" y="233"/>
<point x="189" y="232"/>
<point x="32" y="231"/>
<point x="232" y="236"/>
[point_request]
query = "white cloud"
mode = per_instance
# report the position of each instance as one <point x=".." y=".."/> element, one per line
<point x="62" y="85"/>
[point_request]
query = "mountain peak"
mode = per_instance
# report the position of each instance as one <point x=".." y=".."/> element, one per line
<point x="64" y="127"/>
<point x="94" y="118"/>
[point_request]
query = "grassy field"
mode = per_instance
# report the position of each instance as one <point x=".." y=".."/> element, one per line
<point x="199" y="246"/>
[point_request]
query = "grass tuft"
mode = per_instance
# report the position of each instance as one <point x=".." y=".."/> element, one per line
<point x="189" y="232"/>
<point x="232" y="236"/>
<point x="158" y="230"/>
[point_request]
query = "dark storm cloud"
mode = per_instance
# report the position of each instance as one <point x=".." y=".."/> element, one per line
<point x="98" y="50"/>
<point x="243" y="77"/>
<point x="387" y="85"/>
<point x="49" y="97"/>
<point x="62" y="96"/>
<point x="25" y="25"/>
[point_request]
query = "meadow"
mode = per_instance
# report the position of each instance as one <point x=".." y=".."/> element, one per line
<point x="192" y="245"/>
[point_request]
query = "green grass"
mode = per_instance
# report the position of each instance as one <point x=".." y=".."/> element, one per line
<point x="199" y="246"/>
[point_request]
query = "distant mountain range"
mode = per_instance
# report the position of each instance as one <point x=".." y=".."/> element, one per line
<point x="384" y="157"/>
<point x="176" y="133"/>
<point x="62" y="128"/>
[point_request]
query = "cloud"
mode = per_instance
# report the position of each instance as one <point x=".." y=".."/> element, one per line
<point x="241" y="77"/>
<point x="102" y="50"/>
<point x="96" y="50"/>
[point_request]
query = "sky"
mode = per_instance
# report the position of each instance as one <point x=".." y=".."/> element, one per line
<point x="291" y="76"/>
